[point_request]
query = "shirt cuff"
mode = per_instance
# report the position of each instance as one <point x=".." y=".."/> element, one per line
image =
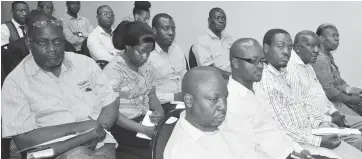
<point x="316" y="141"/>
<point x="316" y="123"/>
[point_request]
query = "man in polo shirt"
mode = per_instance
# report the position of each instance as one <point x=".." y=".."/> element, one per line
<point x="196" y="134"/>
<point x="53" y="93"/>
<point x="14" y="29"/>
<point x="99" y="41"/>
<point x="168" y="60"/>
<point x="212" y="49"/>
<point x="76" y="28"/>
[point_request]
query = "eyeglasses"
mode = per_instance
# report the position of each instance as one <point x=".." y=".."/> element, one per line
<point x="106" y="13"/>
<point x="252" y="61"/>
<point x="47" y="7"/>
<point x="45" y="23"/>
<point x="22" y="10"/>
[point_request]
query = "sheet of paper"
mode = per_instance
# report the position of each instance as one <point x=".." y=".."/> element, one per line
<point x="147" y="122"/>
<point x="41" y="154"/>
<point x="329" y="131"/>
<point x="57" y="140"/>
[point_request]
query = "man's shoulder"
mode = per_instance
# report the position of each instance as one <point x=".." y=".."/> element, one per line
<point x="18" y="74"/>
<point x="78" y="58"/>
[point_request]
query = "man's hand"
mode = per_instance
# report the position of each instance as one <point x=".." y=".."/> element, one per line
<point x="355" y="100"/>
<point x="327" y="124"/>
<point x="302" y="155"/>
<point x="330" y="141"/>
<point x="148" y="131"/>
<point x="99" y="132"/>
<point x="178" y="97"/>
<point x="339" y="119"/>
<point x="156" y="116"/>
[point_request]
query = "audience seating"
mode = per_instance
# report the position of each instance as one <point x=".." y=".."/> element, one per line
<point x="192" y="58"/>
<point x="162" y="133"/>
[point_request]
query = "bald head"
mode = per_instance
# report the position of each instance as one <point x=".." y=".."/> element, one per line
<point x="198" y="78"/>
<point x="244" y="47"/>
<point x="102" y="7"/>
<point x="303" y="36"/>
<point x="204" y="91"/>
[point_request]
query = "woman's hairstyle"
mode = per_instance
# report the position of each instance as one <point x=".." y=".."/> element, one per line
<point x="132" y="34"/>
<point x="140" y="6"/>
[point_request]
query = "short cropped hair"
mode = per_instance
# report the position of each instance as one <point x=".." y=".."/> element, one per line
<point x="132" y="34"/>
<point x="269" y="35"/>
<point x="157" y="18"/>
<point x="17" y="2"/>
<point x="323" y="27"/>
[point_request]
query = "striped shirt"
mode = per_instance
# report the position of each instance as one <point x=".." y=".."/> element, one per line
<point x="286" y="107"/>
<point x="33" y="98"/>
<point x="305" y="84"/>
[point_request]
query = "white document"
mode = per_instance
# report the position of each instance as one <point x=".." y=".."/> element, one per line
<point x="58" y="140"/>
<point x="330" y="131"/>
<point x="147" y="122"/>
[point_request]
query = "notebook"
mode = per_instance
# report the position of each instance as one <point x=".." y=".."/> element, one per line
<point x="330" y="131"/>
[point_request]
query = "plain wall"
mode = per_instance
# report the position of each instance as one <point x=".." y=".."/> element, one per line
<point x="248" y="19"/>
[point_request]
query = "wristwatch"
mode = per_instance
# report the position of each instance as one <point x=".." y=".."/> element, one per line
<point x="80" y="34"/>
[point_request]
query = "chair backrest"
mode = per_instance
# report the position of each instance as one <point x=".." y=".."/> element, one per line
<point x="102" y="63"/>
<point x="162" y="133"/>
<point x="84" y="48"/>
<point x="192" y="58"/>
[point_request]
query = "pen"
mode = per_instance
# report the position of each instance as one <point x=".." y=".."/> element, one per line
<point x="104" y="129"/>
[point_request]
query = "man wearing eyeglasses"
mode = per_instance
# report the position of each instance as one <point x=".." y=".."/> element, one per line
<point x="53" y="94"/>
<point x="76" y="28"/>
<point x="14" y="29"/>
<point x="249" y="129"/>
<point x="46" y="7"/>
<point x="99" y="41"/>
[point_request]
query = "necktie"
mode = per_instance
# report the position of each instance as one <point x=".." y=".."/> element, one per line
<point x="22" y="29"/>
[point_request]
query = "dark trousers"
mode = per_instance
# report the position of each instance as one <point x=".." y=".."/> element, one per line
<point x="130" y="146"/>
<point x="167" y="107"/>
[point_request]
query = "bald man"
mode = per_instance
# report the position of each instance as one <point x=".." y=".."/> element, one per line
<point x="212" y="48"/>
<point x="99" y="42"/>
<point x="196" y="133"/>
<point x="304" y="83"/>
<point x="250" y="129"/>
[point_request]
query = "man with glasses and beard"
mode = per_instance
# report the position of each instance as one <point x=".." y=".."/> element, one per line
<point x="53" y="93"/>
<point x="99" y="41"/>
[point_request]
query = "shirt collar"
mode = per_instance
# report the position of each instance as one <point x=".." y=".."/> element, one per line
<point x="241" y="89"/>
<point x="70" y="17"/>
<point x="213" y="36"/>
<point x="100" y="30"/>
<point x="282" y="73"/>
<point x="159" y="50"/>
<point x="32" y="68"/>
<point x="294" y="58"/>
<point x="15" y="23"/>
<point x="194" y="132"/>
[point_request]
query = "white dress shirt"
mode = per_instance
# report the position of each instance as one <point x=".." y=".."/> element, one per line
<point x="5" y="33"/>
<point x="100" y="45"/>
<point x="250" y="131"/>
<point x="287" y="108"/>
<point x="210" y="49"/>
<point x="189" y="142"/>
<point x="305" y="84"/>
<point x="170" y="68"/>
<point x="33" y="98"/>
